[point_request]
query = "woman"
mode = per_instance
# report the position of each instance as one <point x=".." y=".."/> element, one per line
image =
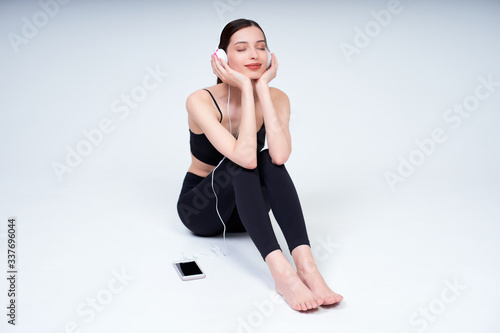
<point x="232" y="183"/>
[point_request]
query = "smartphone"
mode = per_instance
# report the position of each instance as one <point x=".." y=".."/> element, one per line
<point x="188" y="270"/>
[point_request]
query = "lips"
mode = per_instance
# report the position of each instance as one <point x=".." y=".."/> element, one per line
<point x="254" y="66"/>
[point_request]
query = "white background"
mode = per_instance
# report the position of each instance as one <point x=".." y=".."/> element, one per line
<point x="392" y="253"/>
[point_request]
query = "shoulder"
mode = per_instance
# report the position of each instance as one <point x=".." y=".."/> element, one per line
<point x="201" y="108"/>
<point x="196" y="98"/>
<point x="277" y="92"/>
<point x="200" y="98"/>
<point x="279" y="97"/>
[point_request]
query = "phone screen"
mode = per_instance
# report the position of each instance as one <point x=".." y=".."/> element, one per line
<point x="189" y="268"/>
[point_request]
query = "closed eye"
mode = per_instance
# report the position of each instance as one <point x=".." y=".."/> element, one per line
<point x="262" y="49"/>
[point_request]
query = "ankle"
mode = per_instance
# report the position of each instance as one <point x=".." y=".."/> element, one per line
<point x="306" y="266"/>
<point x="284" y="273"/>
<point x="279" y="266"/>
<point x="303" y="258"/>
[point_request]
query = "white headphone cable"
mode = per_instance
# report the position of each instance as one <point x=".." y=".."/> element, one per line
<point x="217" y="209"/>
<point x="213" y="172"/>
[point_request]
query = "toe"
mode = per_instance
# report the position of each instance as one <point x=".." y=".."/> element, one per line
<point x="297" y="307"/>
<point x="304" y="307"/>
<point x="330" y="300"/>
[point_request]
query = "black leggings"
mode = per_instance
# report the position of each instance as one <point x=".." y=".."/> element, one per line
<point x="244" y="198"/>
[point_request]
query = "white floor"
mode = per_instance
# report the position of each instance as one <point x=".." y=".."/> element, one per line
<point x="96" y="245"/>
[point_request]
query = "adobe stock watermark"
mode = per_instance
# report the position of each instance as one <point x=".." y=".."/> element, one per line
<point x="202" y="198"/>
<point x="263" y="309"/>
<point x="31" y="27"/>
<point x="224" y="6"/>
<point x="94" y="137"/>
<point x="97" y="303"/>
<point x="322" y="249"/>
<point x="453" y="117"/>
<point x="212" y="252"/>
<point x="371" y="30"/>
<point x="424" y="315"/>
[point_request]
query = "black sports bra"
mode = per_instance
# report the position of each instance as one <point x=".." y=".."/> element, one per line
<point x="202" y="148"/>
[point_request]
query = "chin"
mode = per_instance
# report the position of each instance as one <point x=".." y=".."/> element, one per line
<point x="255" y="75"/>
<point x="252" y="75"/>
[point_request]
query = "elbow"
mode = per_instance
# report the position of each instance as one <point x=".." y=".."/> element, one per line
<point x="279" y="159"/>
<point x="280" y="154"/>
<point x="246" y="162"/>
<point x="250" y="163"/>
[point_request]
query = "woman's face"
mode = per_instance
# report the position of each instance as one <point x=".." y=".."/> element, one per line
<point x="246" y="52"/>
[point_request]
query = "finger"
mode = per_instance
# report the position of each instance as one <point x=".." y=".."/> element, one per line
<point x="212" y="61"/>
<point x="224" y="69"/>
<point x="219" y="64"/>
<point x="216" y="66"/>
<point x="213" y="64"/>
<point x="223" y="63"/>
<point x="218" y="69"/>
<point x="274" y="60"/>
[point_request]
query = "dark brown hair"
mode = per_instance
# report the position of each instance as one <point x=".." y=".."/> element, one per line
<point x="231" y="28"/>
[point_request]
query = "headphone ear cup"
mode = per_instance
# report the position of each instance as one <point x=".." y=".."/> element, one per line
<point x="268" y="58"/>
<point x="221" y="54"/>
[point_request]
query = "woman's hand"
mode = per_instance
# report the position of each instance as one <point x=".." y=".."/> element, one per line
<point x="270" y="73"/>
<point x="227" y="74"/>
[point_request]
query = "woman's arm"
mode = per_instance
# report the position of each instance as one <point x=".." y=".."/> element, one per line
<point x="243" y="150"/>
<point x="276" y="116"/>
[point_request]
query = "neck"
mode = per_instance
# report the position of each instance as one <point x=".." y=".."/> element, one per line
<point x="236" y="95"/>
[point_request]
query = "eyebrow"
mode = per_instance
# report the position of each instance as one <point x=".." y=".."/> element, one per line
<point x="245" y="42"/>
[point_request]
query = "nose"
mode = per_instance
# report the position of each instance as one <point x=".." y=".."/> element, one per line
<point x="253" y="53"/>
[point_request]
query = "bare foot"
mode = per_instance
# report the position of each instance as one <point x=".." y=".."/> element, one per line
<point x="313" y="279"/>
<point x="308" y="272"/>
<point x="296" y="293"/>
<point x="289" y="284"/>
